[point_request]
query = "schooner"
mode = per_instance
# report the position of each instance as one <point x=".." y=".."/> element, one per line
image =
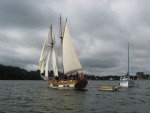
<point x="70" y="62"/>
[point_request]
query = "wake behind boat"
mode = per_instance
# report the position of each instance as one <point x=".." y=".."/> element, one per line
<point x="70" y="62"/>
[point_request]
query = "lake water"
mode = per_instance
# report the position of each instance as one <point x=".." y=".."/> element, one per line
<point x="37" y="97"/>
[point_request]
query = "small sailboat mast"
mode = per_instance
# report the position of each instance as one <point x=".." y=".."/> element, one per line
<point x="128" y="61"/>
<point x="128" y="57"/>
<point x="126" y="81"/>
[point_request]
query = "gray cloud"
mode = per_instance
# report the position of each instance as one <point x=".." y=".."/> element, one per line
<point x="25" y="14"/>
<point x="99" y="31"/>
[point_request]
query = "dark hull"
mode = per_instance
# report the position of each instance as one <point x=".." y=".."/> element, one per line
<point x="81" y="84"/>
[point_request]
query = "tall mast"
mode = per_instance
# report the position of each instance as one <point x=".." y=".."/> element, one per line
<point x="128" y="57"/>
<point x="51" y="39"/>
<point x="61" y="37"/>
<point x="61" y="28"/>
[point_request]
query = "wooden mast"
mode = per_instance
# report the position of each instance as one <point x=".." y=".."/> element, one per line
<point x="61" y="28"/>
<point x="51" y="38"/>
<point x="52" y="43"/>
<point x="61" y="37"/>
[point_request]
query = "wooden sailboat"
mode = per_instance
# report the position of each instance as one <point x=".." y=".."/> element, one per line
<point x="70" y="61"/>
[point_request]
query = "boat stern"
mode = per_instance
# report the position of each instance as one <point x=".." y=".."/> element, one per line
<point x="81" y="84"/>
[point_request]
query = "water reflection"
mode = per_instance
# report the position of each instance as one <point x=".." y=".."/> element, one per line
<point x="60" y="100"/>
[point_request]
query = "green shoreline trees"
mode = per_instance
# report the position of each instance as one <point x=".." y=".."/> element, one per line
<point x="16" y="73"/>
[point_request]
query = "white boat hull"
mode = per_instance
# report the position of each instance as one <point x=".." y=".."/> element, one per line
<point x="126" y="83"/>
<point x="70" y="86"/>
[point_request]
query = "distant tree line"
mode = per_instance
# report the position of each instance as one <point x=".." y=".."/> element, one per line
<point x="16" y="73"/>
<point x="141" y="75"/>
<point x="109" y="77"/>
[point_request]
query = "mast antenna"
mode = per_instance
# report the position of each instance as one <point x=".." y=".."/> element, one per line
<point x="128" y="54"/>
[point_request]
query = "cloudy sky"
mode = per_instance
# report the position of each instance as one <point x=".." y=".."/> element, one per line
<point x="99" y="29"/>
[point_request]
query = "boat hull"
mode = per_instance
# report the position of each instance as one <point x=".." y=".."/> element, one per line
<point x="69" y="84"/>
<point x="107" y="88"/>
<point x="126" y="83"/>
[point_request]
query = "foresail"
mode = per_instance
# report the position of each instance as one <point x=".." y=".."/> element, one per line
<point x="41" y="58"/>
<point x="42" y="67"/>
<point x="43" y="63"/>
<point x="54" y="62"/>
<point x="47" y="65"/>
<point x="70" y="59"/>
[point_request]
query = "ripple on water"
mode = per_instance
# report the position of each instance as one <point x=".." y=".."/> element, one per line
<point x="37" y="97"/>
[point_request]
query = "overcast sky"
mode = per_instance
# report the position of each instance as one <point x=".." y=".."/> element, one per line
<point x="99" y="29"/>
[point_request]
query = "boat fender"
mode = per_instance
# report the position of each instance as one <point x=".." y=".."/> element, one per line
<point x="81" y="76"/>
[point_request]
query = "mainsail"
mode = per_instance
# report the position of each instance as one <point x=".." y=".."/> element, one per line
<point x="70" y="59"/>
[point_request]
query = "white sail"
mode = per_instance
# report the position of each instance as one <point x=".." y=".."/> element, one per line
<point x="43" y="62"/>
<point x="47" y="65"/>
<point x="42" y="67"/>
<point x="41" y="58"/>
<point x="54" y="61"/>
<point x="70" y="59"/>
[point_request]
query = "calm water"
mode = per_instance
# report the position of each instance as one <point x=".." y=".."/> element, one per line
<point x="37" y="97"/>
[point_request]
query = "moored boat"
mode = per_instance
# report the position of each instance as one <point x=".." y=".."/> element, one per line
<point x="126" y="81"/>
<point x="108" y="88"/>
